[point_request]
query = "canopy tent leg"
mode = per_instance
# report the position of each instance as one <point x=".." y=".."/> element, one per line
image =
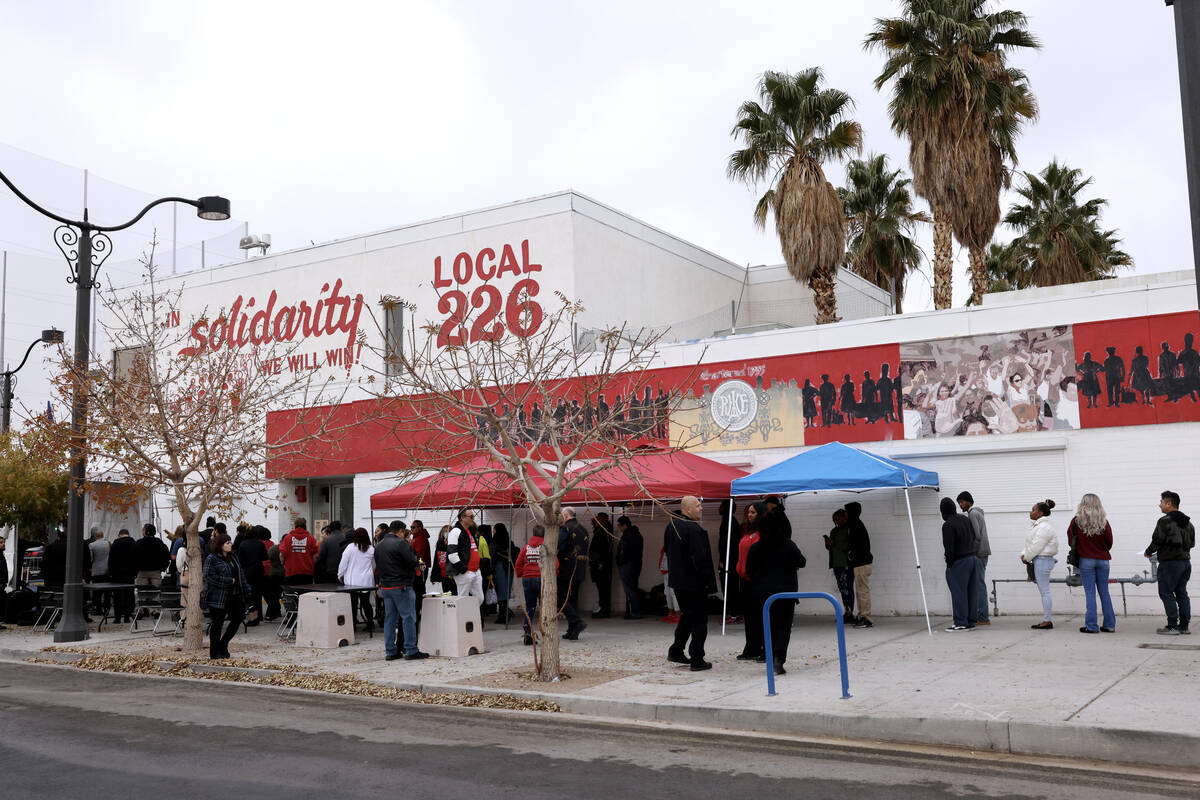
<point x="912" y="528"/>
<point x="725" y="590"/>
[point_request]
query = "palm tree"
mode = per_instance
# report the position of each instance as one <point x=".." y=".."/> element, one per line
<point x="1004" y="271"/>
<point x="880" y="219"/>
<point x="961" y="107"/>
<point x="1060" y="239"/>
<point x="796" y="127"/>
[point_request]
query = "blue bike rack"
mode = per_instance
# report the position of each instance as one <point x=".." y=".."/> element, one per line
<point x="841" y="635"/>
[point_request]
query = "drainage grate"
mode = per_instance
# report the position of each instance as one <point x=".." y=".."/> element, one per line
<point x="1169" y="646"/>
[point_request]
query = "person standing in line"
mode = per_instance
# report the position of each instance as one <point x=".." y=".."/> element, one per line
<point x="502" y="571"/>
<point x="772" y="563"/>
<point x="837" y="542"/>
<point x="122" y="568"/>
<point x="329" y="554"/>
<point x="99" y="548"/>
<point x="600" y="559"/>
<point x="756" y="514"/>
<point x="572" y="569"/>
<point x="441" y="566"/>
<point x="357" y="568"/>
<point x="529" y="571"/>
<point x="691" y="576"/>
<point x="1173" y="540"/>
<point x="398" y="566"/>
<point x="273" y="575"/>
<point x="962" y="565"/>
<point x="1041" y="546"/>
<point x="1093" y="539"/>
<point x="419" y="541"/>
<point x="861" y="562"/>
<point x="225" y="594"/>
<point x="152" y="557"/>
<point x="775" y="506"/>
<point x="252" y="555"/>
<point x="983" y="550"/>
<point x="629" y="565"/>
<point x="297" y="549"/>
<point x="463" y="558"/>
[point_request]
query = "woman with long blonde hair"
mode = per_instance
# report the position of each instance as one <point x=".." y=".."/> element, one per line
<point x="1092" y="538"/>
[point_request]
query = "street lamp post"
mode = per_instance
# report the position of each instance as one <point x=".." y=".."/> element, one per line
<point x="51" y="336"/>
<point x="75" y="239"/>
<point x="1187" y="45"/>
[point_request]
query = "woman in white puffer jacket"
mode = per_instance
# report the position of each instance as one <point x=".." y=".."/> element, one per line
<point x="1041" y="546"/>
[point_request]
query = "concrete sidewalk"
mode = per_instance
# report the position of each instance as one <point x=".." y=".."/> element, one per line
<point x="1131" y="696"/>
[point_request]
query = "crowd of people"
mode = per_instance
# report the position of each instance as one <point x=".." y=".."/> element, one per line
<point x="244" y="576"/>
<point x="1090" y="542"/>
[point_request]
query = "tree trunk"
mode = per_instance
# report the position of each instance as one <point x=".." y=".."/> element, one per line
<point x="943" y="259"/>
<point x="823" y="283"/>
<point x="547" y="646"/>
<point x="979" y="276"/>
<point x="193" y="625"/>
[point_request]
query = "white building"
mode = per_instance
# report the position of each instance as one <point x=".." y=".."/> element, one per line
<point x="1045" y="441"/>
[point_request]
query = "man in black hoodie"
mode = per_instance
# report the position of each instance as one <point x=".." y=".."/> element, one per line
<point x="860" y="559"/>
<point x="962" y="565"/>
<point x="572" y="568"/>
<point x="1173" y="540"/>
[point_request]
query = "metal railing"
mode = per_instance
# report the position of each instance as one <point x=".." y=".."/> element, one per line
<point x="841" y="635"/>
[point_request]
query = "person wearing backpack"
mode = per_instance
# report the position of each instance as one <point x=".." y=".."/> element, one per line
<point x="1173" y="540"/>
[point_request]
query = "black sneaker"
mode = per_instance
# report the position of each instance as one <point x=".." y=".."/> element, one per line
<point x="1168" y="631"/>
<point x="864" y="623"/>
<point x="417" y="656"/>
<point x="677" y="658"/>
<point x="527" y="639"/>
<point x="700" y="666"/>
<point x="392" y="657"/>
<point x="779" y="670"/>
<point x="746" y="656"/>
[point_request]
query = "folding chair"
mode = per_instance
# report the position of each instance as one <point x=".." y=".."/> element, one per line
<point x="145" y="598"/>
<point x="52" y="606"/>
<point x="289" y="603"/>
<point x="170" y="601"/>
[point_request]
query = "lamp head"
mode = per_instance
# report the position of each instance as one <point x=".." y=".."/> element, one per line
<point x="52" y="336"/>
<point x="212" y="208"/>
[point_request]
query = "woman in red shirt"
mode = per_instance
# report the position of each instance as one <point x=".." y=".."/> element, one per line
<point x="1091" y="536"/>
<point x="753" y="650"/>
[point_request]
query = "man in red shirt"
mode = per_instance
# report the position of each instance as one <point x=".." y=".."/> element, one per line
<point x="296" y="550"/>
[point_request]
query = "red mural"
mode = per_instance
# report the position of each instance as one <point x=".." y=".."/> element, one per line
<point x="1138" y="371"/>
<point x="856" y="393"/>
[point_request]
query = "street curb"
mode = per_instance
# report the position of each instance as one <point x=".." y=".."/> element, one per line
<point x="1117" y="745"/>
<point x="1011" y="737"/>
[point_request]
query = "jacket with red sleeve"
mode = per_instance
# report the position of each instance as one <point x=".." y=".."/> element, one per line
<point x="529" y="561"/>
<point x="297" y="550"/>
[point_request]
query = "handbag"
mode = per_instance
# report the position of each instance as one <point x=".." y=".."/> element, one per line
<point x="1030" y="576"/>
<point x="489" y="597"/>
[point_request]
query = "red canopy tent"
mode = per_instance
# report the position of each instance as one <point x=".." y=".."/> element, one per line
<point x="659" y="476"/>
<point x="478" y="482"/>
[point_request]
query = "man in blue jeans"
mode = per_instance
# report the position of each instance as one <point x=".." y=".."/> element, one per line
<point x="398" y="565"/>
<point x="1173" y="540"/>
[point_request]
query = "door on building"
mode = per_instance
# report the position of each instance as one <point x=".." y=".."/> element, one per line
<point x="342" y="497"/>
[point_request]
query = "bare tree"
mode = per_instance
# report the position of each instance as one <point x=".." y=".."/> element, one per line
<point x="170" y="414"/>
<point x="548" y="413"/>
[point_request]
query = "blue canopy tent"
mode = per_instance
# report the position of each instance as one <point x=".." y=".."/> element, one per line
<point x="836" y="467"/>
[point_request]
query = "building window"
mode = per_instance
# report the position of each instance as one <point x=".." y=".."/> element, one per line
<point x="393" y="318"/>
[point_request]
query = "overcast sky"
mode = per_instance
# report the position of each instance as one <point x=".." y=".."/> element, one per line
<point x="322" y="121"/>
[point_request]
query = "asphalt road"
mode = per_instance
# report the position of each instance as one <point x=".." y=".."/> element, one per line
<point x="71" y="733"/>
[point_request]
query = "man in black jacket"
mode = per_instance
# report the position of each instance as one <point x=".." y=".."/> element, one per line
<point x="122" y="568"/>
<point x="629" y="565"/>
<point x="600" y="558"/>
<point x="153" y="555"/>
<point x="572" y="568"/>
<point x="1173" y="540"/>
<point x="691" y="576"/>
<point x="962" y="565"/>
<point x="329" y="554"/>
<point x="398" y="565"/>
<point x="462" y="557"/>
<point x="860" y="562"/>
